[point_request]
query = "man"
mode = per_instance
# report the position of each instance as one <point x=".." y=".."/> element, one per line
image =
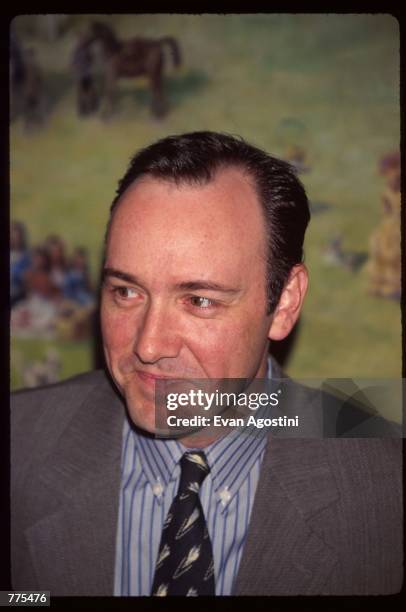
<point x="203" y="267"/>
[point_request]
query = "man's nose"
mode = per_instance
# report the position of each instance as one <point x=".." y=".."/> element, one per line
<point x="156" y="336"/>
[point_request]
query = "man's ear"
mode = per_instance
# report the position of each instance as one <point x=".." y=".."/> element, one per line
<point x="290" y="303"/>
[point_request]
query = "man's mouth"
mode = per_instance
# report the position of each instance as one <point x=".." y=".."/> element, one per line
<point x="149" y="377"/>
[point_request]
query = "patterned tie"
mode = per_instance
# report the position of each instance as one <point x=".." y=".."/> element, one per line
<point x="185" y="559"/>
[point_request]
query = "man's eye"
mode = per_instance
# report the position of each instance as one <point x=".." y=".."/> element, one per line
<point x="201" y="302"/>
<point x="125" y="293"/>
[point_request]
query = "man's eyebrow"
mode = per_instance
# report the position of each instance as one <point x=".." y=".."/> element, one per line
<point x="129" y="278"/>
<point x="202" y="285"/>
<point x="196" y="285"/>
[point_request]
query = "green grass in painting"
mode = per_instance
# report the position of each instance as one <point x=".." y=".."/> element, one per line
<point x="75" y="357"/>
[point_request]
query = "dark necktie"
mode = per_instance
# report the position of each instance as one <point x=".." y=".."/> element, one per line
<point x="185" y="559"/>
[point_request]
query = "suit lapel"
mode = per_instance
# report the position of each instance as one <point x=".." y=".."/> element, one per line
<point x="285" y="552"/>
<point x="76" y="535"/>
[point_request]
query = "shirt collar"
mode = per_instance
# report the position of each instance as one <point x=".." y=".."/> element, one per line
<point x="159" y="457"/>
<point x="230" y="458"/>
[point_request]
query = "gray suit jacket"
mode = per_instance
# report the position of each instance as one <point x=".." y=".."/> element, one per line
<point x="327" y="516"/>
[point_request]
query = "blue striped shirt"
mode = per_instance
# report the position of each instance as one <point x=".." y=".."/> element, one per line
<point x="150" y="479"/>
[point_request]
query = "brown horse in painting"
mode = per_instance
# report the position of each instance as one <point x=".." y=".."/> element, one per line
<point x="132" y="58"/>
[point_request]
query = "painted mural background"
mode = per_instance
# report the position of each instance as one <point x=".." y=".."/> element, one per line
<point x="321" y="91"/>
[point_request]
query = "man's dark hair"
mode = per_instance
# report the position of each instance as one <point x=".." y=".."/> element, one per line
<point x="194" y="158"/>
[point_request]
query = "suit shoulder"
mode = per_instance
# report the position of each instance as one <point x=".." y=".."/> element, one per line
<point x="56" y="403"/>
<point x="38" y="417"/>
<point x="375" y="464"/>
<point x="76" y="385"/>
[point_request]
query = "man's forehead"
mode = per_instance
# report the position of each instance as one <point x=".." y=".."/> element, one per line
<point x="222" y="210"/>
<point x="215" y="228"/>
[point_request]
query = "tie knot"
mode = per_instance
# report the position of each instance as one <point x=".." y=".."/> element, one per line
<point x="194" y="469"/>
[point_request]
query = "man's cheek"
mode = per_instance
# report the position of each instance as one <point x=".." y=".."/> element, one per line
<point x="117" y="332"/>
<point x="214" y="355"/>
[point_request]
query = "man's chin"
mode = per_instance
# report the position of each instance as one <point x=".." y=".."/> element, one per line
<point x="142" y="414"/>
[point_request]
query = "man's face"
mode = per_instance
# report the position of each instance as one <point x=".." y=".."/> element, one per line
<point x="184" y="294"/>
